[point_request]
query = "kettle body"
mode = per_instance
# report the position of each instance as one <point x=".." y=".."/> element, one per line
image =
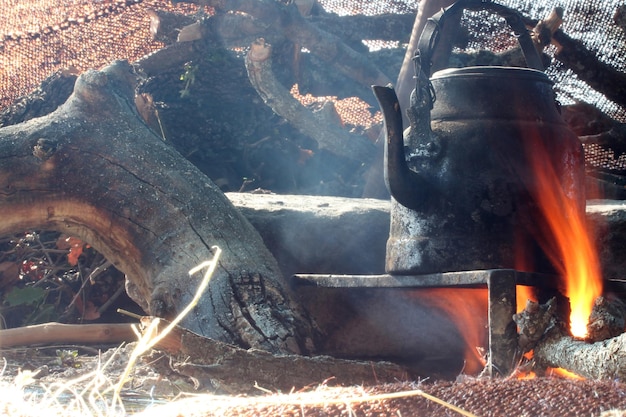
<point x="465" y="178"/>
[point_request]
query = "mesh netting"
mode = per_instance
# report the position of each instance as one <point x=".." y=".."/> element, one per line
<point x="599" y="157"/>
<point x="40" y="37"/>
<point x="589" y="21"/>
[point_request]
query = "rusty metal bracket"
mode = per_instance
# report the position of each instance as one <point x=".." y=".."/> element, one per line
<point x="501" y="285"/>
<point x="503" y="351"/>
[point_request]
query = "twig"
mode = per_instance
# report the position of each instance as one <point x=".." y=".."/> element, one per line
<point x="129" y="314"/>
<point x="65" y="333"/>
<point x="99" y="270"/>
<point x="121" y="290"/>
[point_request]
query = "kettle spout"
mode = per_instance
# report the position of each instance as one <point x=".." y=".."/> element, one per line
<point x="407" y="187"/>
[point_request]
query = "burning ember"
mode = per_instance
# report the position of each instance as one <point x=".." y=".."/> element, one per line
<point x="565" y="237"/>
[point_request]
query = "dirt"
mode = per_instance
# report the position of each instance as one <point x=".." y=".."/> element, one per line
<point x="56" y="365"/>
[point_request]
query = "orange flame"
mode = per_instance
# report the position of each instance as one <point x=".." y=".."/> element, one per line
<point x="567" y="240"/>
<point x="564" y="373"/>
<point x="523" y="293"/>
<point x="467" y="308"/>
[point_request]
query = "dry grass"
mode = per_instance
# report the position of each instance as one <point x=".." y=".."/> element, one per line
<point x="95" y="394"/>
<point x="92" y="394"/>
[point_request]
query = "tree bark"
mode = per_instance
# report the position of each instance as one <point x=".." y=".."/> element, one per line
<point x="230" y="369"/>
<point x="94" y="170"/>
<point x="600" y="360"/>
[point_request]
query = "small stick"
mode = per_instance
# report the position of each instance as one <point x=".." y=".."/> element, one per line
<point x="129" y="313"/>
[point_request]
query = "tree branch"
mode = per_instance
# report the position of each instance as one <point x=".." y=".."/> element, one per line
<point x="93" y="169"/>
<point x="319" y="126"/>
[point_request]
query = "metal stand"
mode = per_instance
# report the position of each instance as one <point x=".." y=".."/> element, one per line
<point x="500" y="283"/>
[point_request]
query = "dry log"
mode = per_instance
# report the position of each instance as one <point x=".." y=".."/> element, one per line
<point x="586" y="65"/>
<point x="600" y="360"/>
<point x="614" y="139"/>
<point x="93" y="169"/>
<point x="607" y="319"/>
<point x="234" y="29"/>
<point x="300" y="31"/>
<point x="50" y="333"/>
<point x="227" y="368"/>
<point x="319" y="126"/>
<point x="387" y="27"/>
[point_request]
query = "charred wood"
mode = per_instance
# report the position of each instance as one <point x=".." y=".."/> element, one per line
<point x="542" y="331"/>
<point x="534" y="321"/>
<point x="607" y="319"/>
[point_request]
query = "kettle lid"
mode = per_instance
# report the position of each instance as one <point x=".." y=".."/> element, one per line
<point x="493" y="71"/>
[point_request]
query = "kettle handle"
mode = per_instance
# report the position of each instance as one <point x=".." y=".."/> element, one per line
<point x="436" y="30"/>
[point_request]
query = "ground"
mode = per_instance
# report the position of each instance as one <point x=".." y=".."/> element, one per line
<point x="88" y="373"/>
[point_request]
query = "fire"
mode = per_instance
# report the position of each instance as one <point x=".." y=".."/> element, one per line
<point x="467" y="307"/>
<point x="523" y="293"/>
<point x="566" y="239"/>
<point x="564" y="373"/>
